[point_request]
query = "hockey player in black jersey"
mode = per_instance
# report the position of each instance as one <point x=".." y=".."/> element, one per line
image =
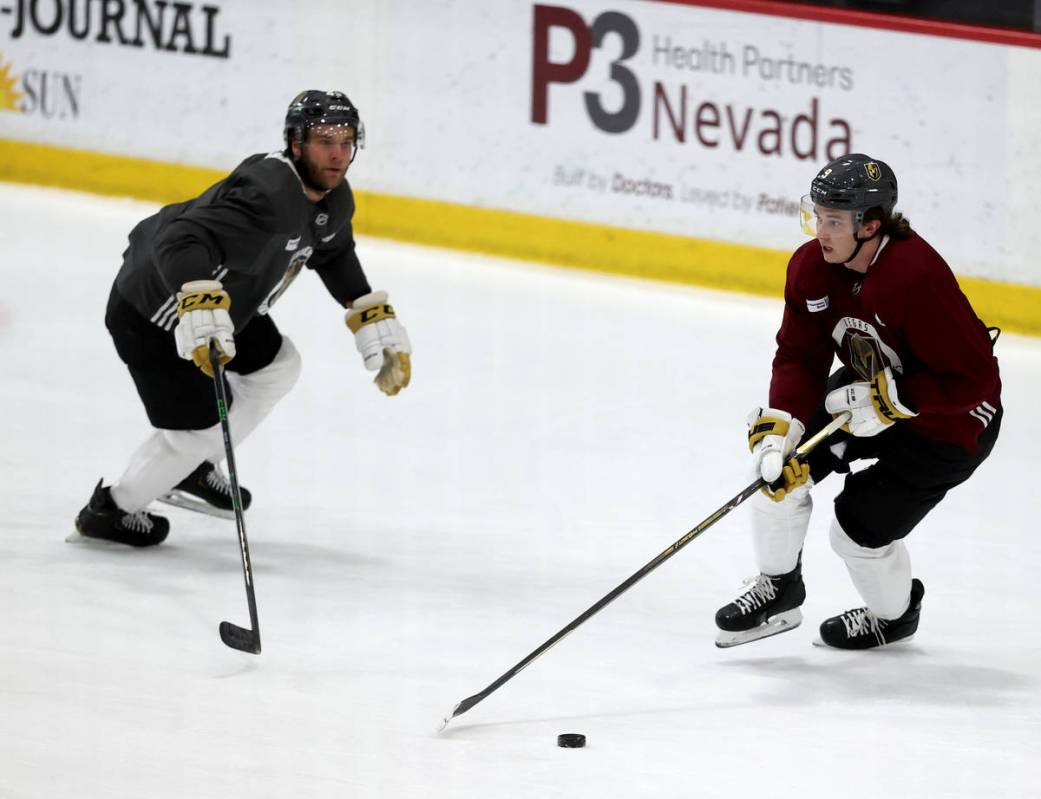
<point x="209" y="270"/>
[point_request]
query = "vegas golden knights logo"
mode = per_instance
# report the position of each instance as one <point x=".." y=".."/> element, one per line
<point x="872" y="170"/>
<point x="863" y="357"/>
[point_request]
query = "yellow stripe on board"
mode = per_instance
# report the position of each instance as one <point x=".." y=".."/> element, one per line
<point x="655" y="256"/>
<point x="620" y="251"/>
<point x="121" y="176"/>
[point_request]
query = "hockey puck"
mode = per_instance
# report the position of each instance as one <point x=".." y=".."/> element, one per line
<point x="571" y="740"/>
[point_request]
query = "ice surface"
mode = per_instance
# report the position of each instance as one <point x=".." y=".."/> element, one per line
<point x="560" y="431"/>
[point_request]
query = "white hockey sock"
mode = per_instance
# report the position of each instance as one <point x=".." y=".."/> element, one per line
<point x="161" y="462"/>
<point x="167" y="456"/>
<point x="779" y="529"/>
<point x="882" y="576"/>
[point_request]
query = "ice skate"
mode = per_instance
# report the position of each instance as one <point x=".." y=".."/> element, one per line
<point x="861" y="629"/>
<point x="103" y="519"/>
<point x="769" y="607"/>
<point x="206" y="490"/>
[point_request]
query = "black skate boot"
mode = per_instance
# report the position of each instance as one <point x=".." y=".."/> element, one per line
<point x="862" y="629"/>
<point x="103" y="518"/>
<point x="206" y="490"/>
<point x="770" y="606"/>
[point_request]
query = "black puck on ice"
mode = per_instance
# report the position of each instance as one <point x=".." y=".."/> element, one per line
<point x="571" y="740"/>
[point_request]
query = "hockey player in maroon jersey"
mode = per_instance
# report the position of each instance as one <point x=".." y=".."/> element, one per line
<point x="918" y="377"/>
<point x="209" y="270"/>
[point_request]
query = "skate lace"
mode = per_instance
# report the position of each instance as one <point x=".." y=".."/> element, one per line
<point x="763" y="591"/>
<point x="139" y="522"/>
<point x="216" y="480"/>
<point x="861" y="622"/>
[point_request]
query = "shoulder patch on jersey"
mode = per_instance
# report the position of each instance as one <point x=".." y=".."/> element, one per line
<point x="813" y="306"/>
<point x="292" y="244"/>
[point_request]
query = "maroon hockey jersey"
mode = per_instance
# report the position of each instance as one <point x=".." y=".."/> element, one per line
<point x="909" y="308"/>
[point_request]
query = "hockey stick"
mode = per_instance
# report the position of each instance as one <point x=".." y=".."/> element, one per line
<point x="802" y="452"/>
<point x="231" y="634"/>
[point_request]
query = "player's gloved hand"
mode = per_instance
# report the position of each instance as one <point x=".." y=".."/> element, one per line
<point x="873" y="406"/>
<point x="202" y="306"/>
<point x="772" y="437"/>
<point x="382" y="341"/>
<point x="795" y="473"/>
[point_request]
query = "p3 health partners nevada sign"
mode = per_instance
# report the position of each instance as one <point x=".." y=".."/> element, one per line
<point x="726" y="113"/>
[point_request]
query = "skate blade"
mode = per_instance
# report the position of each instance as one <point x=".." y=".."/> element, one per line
<point x="775" y="625"/>
<point x="819" y="642"/>
<point x="77" y="538"/>
<point x="179" y="500"/>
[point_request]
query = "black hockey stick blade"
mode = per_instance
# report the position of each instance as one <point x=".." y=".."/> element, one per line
<point x="461" y="708"/>
<point x="240" y="638"/>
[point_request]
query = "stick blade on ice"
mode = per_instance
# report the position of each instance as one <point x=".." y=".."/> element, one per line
<point x="461" y="708"/>
<point x="239" y="638"/>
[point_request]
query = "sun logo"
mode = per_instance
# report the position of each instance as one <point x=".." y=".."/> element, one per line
<point x="9" y="94"/>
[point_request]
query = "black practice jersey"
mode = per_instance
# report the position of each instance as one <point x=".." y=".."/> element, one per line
<point x="253" y="231"/>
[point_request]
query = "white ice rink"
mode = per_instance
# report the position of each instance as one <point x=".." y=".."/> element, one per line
<point x="560" y="431"/>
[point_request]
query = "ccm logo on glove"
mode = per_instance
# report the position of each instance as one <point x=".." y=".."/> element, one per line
<point x="201" y="300"/>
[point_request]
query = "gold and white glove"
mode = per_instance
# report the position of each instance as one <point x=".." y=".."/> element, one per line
<point x="873" y="406"/>
<point x="202" y="306"/>
<point x="796" y="473"/>
<point x="772" y="437"/>
<point x="382" y="341"/>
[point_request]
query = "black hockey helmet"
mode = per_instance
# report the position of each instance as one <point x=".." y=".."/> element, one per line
<point x="857" y="183"/>
<point x="315" y="107"/>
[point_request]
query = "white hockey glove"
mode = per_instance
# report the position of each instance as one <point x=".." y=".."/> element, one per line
<point x="873" y="406"/>
<point x="772" y="437"/>
<point x="202" y="306"/>
<point x="382" y="341"/>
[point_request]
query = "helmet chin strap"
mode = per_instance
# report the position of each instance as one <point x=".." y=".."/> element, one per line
<point x="860" y="243"/>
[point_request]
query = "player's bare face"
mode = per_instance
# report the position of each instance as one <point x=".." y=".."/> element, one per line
<point x="326" y="155"/>
<point x="835" y="234"/>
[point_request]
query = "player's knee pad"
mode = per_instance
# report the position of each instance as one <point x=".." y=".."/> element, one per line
<point x="794" y="504"/>
<point x="849" y="548"/>
<point x="198" y="444"/>
<point x="862" y="524"/>
<point x="272" y="382"/>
